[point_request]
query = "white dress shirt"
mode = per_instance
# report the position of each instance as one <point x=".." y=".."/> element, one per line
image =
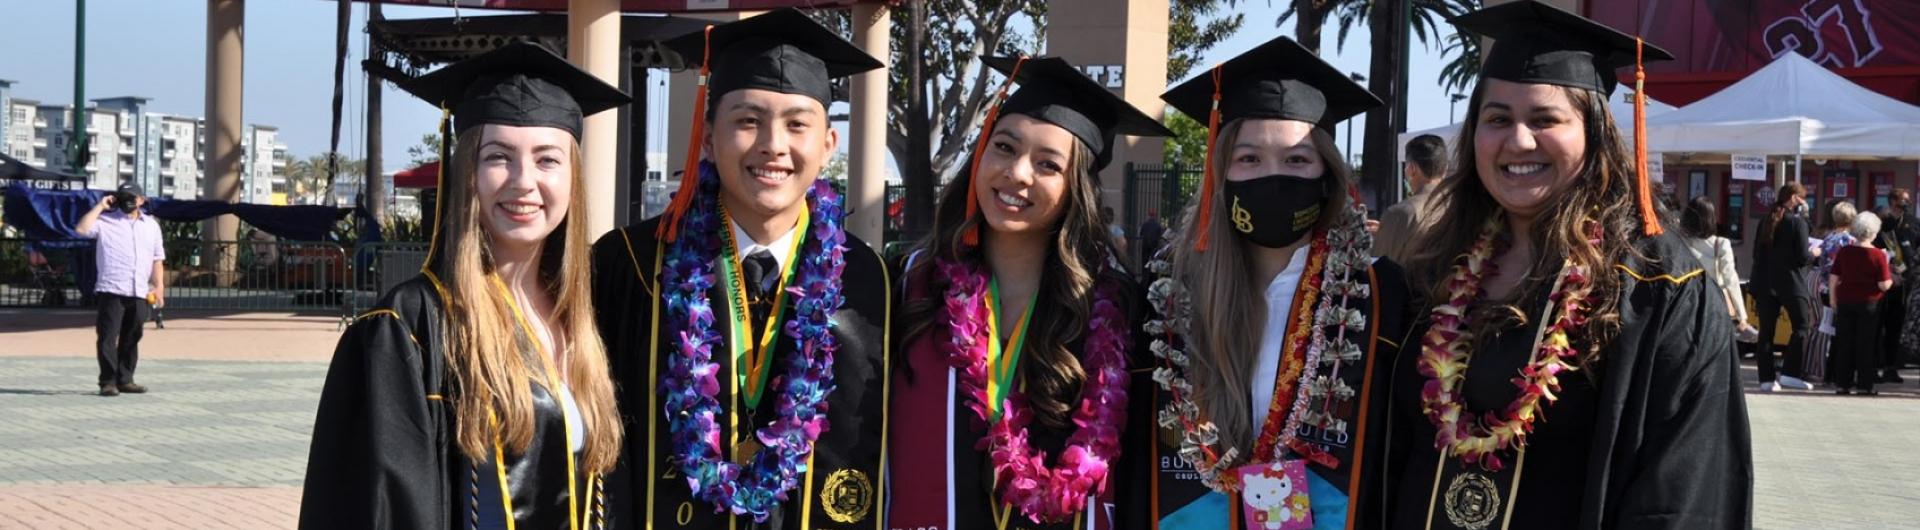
<point x="1273" y="336"/>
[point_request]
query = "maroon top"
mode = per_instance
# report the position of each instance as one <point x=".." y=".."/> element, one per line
<point x="1860" y="269"/>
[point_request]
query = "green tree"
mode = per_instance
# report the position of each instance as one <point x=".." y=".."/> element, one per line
<point x="427" y="151"/>
<point x="1194" y="27"/>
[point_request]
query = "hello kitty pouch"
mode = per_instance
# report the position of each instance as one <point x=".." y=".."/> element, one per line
<point x="1274" y="496"/>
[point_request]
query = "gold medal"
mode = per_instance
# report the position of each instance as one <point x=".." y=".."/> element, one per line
<point x="743" y="452"/>
<point x="1472" y="501"/>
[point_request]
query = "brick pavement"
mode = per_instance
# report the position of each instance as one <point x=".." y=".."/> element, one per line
<point x="222" y="443"/>
<point x="216" y="444"/>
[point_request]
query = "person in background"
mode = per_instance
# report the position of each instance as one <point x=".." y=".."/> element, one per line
<point x="1833" y="237"/>
<point x="132" y="281"/>
<point x="1115" y="229"/>
<point x="1151" y="234"/>
<point x="1402" y="223"/>
<point x="1899" y="235"/>
<point x="1781" y="259"/>
<point x="1860" y="277"/>
<point x="1716" y="253"/>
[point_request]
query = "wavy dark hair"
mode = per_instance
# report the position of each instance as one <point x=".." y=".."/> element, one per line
<point x="1603" y="193"/>
<point x="1081" y="256"/>
<point x="1700" y="221"/>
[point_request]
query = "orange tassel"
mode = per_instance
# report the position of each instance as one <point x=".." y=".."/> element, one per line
<point x="669" y="228"/>
<point x="1649" y="218"/>
<point x="1205" y="215"/>
<point x="971" y="237"/>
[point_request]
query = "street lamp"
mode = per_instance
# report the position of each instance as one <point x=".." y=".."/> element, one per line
<point x="1357" y="78"/>
<point x="1456" y="101"/>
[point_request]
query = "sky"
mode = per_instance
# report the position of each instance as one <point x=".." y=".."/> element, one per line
<point x="157" y="49"/>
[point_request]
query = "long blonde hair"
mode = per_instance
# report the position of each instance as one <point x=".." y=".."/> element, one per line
<point x="1219" y="342"/>
<point x="486" y="352"/>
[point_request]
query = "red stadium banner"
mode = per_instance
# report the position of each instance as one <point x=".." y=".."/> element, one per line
<point x="1744" y="35"/>
<point x="636" y="6"/>
<point x="1875" y="43"/>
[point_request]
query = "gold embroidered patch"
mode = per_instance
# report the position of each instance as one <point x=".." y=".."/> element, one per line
<point x="1472" y="501"/>
<point x="848" y="496"/>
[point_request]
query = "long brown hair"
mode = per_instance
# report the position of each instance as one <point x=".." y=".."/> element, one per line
<point x="1602" y="193"/>
<point x="1079" y="258"/>
<point x="1779" y="210"/>
<point x="487" y="353"/>
<point x="1220" y="344"/>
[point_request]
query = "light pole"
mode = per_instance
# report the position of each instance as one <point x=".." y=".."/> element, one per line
<point x="1357" y="78"/>
<point x="1456" y="102"/>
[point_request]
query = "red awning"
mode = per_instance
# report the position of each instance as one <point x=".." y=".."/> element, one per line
<point x="425" y="176"/>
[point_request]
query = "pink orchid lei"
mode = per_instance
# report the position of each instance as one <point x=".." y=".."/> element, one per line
<point x="1342" y="280"/>
<point x="1041" y="493"/>
<point x="1448" y="344"/>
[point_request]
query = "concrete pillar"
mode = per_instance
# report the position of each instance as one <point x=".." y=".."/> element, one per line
<point x="226" y="20"/>
<point x="593" y="43"/>
<point x="867" y="159"/>
<point x="1100" y="35"/>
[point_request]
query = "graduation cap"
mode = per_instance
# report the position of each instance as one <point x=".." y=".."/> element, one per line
<point x="1053" y="91"/>
<point x="1278" y="80"/>
<point x="1543" y="44"/>
<point x="1537" y="43"/>
<point x="783" y="51"/>
<point x="521" y="84"/>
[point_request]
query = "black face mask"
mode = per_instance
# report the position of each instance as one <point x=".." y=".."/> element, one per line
<point x="1276" y="210"/>
<point x="125" y="202"/>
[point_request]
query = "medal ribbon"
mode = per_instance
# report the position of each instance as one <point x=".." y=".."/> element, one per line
<point x="757" y="356"/>
<point x="1002" y="362"/>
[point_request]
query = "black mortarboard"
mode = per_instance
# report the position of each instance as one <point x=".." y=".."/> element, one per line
<point x="1053" y="91"/>
<point x="1539" y="43"/>
<point x="521" y="84"/>
<point x="1277" y="80"/>
<point x="782" y="50"/>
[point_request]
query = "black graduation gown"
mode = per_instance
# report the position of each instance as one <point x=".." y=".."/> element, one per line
<point x="1171" y="486"/>
<point x="976" y="504"/>
<point x="384" y="454"/>
<point x="843" y="489"/>
<point x="1654" y="437"/>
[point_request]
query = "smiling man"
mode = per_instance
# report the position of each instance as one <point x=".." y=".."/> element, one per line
<point x="744" y="326"/>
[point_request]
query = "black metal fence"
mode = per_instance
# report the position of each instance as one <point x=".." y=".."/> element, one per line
<point x="1157" y="189"/>
<point x="312" y="277"/>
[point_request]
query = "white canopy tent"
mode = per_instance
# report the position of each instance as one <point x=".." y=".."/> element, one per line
<point x="1619" y="104"/>
<point x="1792" y="107"/>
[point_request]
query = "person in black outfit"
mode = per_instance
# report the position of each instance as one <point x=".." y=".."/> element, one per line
<point x="1780" y="264"/>
<point x="1538" y="257"/>
<point x="1899" y="236"/>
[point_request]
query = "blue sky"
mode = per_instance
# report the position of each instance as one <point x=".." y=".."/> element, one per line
<point x="157" y="49"/>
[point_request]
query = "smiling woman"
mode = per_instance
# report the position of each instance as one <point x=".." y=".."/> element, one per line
<point x="1550" y="263"/>
<point x="1017" y="325"/>
<point x="482" y="381"/>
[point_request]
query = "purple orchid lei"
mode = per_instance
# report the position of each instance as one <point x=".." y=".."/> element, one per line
<point x="1041" y="493"/>
<point x="693" y="378"/>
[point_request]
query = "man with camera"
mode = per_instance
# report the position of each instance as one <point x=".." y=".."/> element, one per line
<point x="132" y="281"/>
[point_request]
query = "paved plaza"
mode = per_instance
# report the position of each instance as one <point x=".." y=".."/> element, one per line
<point x="221" y="442"/>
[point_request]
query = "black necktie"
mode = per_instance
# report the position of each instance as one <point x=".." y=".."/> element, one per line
<point x="760" y="271"/>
